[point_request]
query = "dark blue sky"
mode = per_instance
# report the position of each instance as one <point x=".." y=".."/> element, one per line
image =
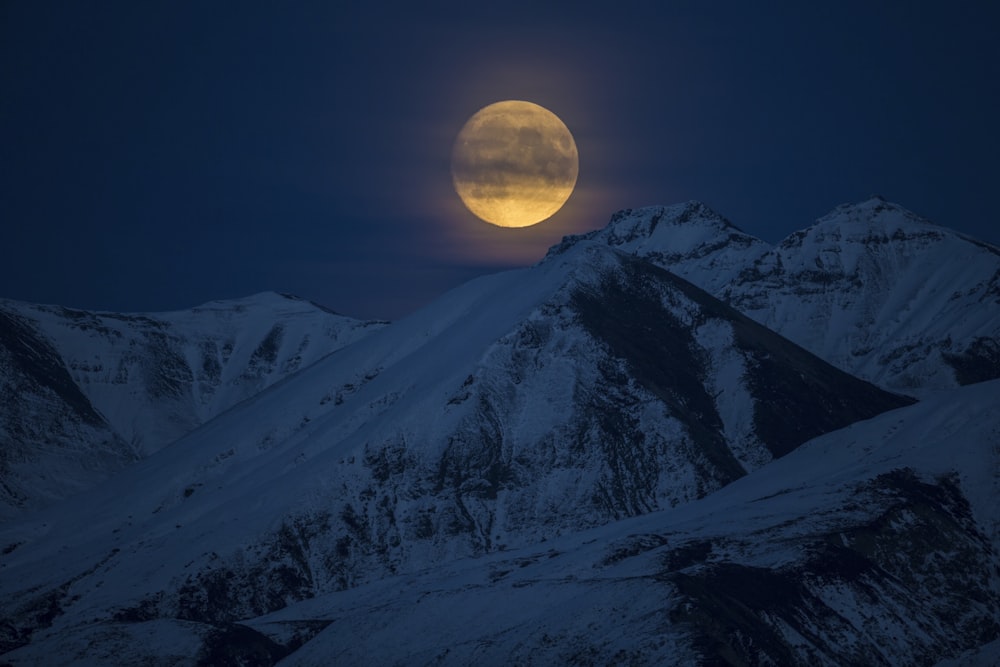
<point x="158" y="155"/>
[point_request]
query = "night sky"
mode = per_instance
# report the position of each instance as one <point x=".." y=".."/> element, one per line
<point x="157" y="155"/>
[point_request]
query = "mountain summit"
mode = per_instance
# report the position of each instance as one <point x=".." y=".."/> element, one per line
<point x="871" y="287"/>
<point x="688" y="239"/>
<point x="884" y="294"/>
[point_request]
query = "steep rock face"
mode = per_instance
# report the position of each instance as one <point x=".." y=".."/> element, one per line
<point x="517" y="408"/>
<point x="871" y="288"/>
<point x="141" y="380"/>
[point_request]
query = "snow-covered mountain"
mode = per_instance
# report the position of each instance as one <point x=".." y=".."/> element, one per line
<point x="86" y="393"/>
<point x="871" y="287"/>
<point x="592" y="460"/>
<point x="516" y="408"/>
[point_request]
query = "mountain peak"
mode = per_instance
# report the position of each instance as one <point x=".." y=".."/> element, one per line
<point x="877" y="289"/>
<point x="265" y="298"/>
<point x="875" y="216"/>
<point x="677" y="225"/>
<point x="689" y="239"/>
<point x="666" y="225"/>
<point x="879" y="220"/>
<point x="627" y="224"/>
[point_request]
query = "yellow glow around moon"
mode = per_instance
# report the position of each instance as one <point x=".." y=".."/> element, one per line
<point x="514" y="163"/>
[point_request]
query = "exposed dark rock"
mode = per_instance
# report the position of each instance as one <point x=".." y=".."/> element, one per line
<point x="27" y="357"/>
<point x="978" y="362"/>
<point x="918" y="554"/>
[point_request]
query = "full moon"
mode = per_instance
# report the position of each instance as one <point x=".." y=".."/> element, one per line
<point x="514" y="163"/>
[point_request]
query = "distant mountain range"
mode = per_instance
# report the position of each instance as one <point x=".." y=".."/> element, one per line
<point x="667" y="442"/>
<point x="87" y="393"/>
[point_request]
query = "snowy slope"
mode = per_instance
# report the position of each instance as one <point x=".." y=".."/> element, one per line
<point x="516" y="408"/>
<point x="872" y="545"/>
<point x="876" y="544"/>
<point x="871" y="287"/>
<point x="877" y="290"/>
<point x="143" y="380"/>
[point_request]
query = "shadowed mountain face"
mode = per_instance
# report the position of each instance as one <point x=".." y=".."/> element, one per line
<point x="795" y="395"/>
<point x="596" y="391"/>
<point x="44" y="420"/>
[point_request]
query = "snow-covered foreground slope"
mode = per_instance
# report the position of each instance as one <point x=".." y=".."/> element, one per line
<point x="87" y="393"/>
<point x="517" y="408"/>
<point x="875" y="544"/>
<point x="871" y="287"/>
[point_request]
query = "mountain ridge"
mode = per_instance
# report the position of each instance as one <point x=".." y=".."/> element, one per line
<point x="476" y="425"/>
<point x="597" y="393"/>
<point x="846" y="288"/>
